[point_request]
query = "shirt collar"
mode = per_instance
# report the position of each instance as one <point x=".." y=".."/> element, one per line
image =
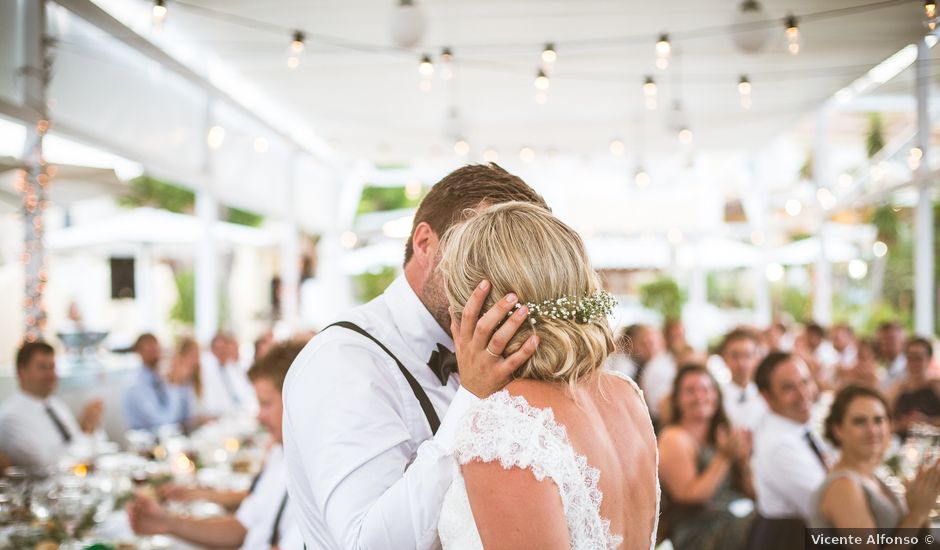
<point x="30" y="398"/>
<point x="418" y="329"/>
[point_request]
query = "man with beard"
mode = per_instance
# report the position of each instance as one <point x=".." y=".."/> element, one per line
<point x="370" y="404"/>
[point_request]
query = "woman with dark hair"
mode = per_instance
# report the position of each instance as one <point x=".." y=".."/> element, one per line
<point x="703" y="466"/>
<point x="916" y="397"/>
<point x="852" y="496"/>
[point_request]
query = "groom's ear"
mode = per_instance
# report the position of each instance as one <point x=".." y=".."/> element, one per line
<point x="425" y="243"/>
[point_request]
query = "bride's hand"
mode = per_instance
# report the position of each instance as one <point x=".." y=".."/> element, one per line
<point x="479" y="345"/>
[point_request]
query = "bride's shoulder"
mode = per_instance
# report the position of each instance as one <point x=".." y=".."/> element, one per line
<point x="536" y="393"/>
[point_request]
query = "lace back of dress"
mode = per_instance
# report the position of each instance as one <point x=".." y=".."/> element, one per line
<point x="506" y="428"/>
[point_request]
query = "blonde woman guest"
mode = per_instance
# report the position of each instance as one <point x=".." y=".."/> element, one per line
<point x="704" y="466"/>
<point x="185" y="379"/>
<point x="852" y="496"/>
<point x="564" y="456"/>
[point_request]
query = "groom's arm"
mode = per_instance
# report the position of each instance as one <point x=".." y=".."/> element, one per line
<point x="348" y="450"/>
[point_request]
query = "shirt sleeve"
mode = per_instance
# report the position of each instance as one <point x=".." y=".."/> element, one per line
<point x="354" y="469"/>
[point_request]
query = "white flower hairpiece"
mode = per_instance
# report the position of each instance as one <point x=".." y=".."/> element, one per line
<point x="572" y="308"/>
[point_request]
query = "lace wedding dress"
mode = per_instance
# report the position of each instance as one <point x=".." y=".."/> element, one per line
<point x="506" y="428"/>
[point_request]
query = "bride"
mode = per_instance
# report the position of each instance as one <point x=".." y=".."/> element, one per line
<point x="564" y="456"/>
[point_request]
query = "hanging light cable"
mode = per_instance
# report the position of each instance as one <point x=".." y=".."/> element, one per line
<point x="158" y="12"/>
<point x="793" y="34"/>
<point x="663" y="49"/>
<point x="744" y="90"/>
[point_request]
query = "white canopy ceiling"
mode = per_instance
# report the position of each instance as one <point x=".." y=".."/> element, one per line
<point x="363" y="96"/>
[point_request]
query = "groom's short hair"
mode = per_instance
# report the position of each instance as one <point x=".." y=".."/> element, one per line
<point x="448" y="202"/>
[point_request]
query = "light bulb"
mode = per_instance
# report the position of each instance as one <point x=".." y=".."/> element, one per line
<point x="793" y="207"/>
<point x="549" y="55"/>
<point x="461" y="147"/>
<point x="649" y="87"/>
<point x="216" y="137"/>
<point x="526" y="154"/>
<point x="447" y="58"/>
<point x="490" y="155"/>
<point x="541" y="80"/>
<point x="426" y="67"/>
<point x="641" y="178"/>
<point x="685" y="136"/>
<point x="159" y="12"/>
<point x="744" y="86"/>
<point x="793" y="35"/>
<point x="930" y="8"/>
<point x="617" y="148"/>
<point x="297" y="43"/>
<point x="663" y="47"/>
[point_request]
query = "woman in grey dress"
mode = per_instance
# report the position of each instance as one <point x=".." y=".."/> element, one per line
<point x="852" y="496"/>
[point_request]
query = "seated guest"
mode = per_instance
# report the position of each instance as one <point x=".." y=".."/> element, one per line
<point x="864" y="372"/>
<point x="226" y="389"/>
<point x="263" y="519"/>
<point x="657" y="374"/>
<point x="843" y="342"/>
<point x="703" y="466"/>
<point x="790" y="461"/>
<point x="620" y="360"/>
<point x="817" y="353"/>
<point x="150" y="402"/>
<point x="852" y="496"/>
<point x="36" y="428"/>
<point x="742" y="401"/>
<point x="916" y="397"/>
<point x="890" y="339"/>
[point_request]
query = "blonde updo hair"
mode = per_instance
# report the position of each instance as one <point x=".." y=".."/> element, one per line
<point x="523" y="248"/>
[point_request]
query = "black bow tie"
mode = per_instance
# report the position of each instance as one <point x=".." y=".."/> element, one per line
<point x="443" y="362"/>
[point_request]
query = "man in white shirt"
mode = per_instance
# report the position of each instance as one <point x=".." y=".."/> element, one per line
<point x="891" y="353"/>
<point x="224" y="385"/>
<point x="742" y="401"/>
<point x="264" y="519"/>
<point x="368" y="459"/>
<point x="790" y="461"/>
<point x="36" y="428"/>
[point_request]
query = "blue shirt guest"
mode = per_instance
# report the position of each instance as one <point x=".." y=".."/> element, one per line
<point x="150" y="401"/>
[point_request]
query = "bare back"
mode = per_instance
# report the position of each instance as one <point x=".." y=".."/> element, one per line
<point x="609" y="424"/>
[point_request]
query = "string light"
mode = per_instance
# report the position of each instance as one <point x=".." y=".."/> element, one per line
<point x="297" y="42"/>
<point x="296" y="48"/>
<point x="744" y="89"/>
<point x="490" y="155"/>
<point x="549" y="55"/>
<point x="649" y="90"/>
<point x="216" y="137"/>
<point x="426" y="70"/>
<point x="930" y="10"/>
<point x="663" y="49"/>
<point x="685" y="136"/>
<point x="426" y="67"/>
<point x="641" y="178"/>
<point x="793" y="35"/>
<point x="617" y="148"/>
<point x="461" y="147"/>
<point x="541" y="80"/>
<point x="526" y="154"/>
<point x="158" y="13"/>
<point x="447" y="59"/>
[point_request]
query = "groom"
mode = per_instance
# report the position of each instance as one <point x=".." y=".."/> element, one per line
<point x="371" y="404"/>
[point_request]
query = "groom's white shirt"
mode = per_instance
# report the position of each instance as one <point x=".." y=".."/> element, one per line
<point x="363" y="470"/>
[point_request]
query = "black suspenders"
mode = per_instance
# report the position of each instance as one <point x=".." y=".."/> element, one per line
<point x="422" y="397"/>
